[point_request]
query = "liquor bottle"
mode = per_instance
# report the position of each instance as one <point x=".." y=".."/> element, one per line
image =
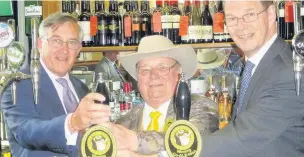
<point x="210" y="93"/>
<point x="207" y="23"/>
<point x="122" y="102"/>
<point x="281" y="19"/>
<point x="166" y="19"/>
<point x="289" y="20"/>
<point x="146" y="18"/>
<point x="156" y="18"/>
<point x="127" y="22"/>
<point x="127" y="97"/>
<point x="224" y="105"/>
<point x="186" y="14"/>
<point x="100" y="39"/>
<point x="195" y="27"/>
<point x="113" y="21"/>
<point x="84" y="22"/>
<point x="182" y="99"/>
<point x="136" y="30"/>
<point x="218" y="23"/>
<point x="175" y="12"/>
<point x="302" y="15"/>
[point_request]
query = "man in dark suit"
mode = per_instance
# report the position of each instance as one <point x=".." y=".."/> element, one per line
<point x="268" y="118"/>
<point x="51" y="127"/>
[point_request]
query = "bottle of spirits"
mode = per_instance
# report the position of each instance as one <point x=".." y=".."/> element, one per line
<point x="195" y="27"/>
<point x="127" y="97"/>
<point x="218" y="23"/>
<point x="207" y="23"/>
<point x="224" y="105"/>
<point x="156" y="18"/>
<point x="166" y="19"/>
<point x="136" y="29"/>
<point x="84" y="22"/>
<point x="289" y="20"/>
<point x="100" y="38"/>
<point x="210" y="93"/>
<point x="281" y="20"/>
<point x="146" y="18"/>
<point x="175" y="12"/>
<point x="127" y="18"/>
<point x="122" y="102"/>
<point x="186" y="15"/>
<point x="113" y="21"/>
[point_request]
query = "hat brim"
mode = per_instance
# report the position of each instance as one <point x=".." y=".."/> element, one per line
<point x="218" y="62"/>
<point x="185" y="55"/>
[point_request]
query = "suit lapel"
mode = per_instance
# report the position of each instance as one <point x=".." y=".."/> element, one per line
<point x="263" y="67"/>
<point x="47" y="84"/>
<point x="77" y="86"/>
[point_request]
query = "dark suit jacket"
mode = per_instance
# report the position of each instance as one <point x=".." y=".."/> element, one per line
<point x="38" y="130"/>
<point x="203" y="115"/>
<point x="271" y="122"/>
<point x="105" y="66"/>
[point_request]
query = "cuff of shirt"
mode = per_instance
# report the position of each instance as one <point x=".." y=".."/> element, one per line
<point x="71" y="137"/>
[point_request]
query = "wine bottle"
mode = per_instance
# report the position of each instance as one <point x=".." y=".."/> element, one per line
<point x="289" y="20"/>
<point x="302" y="15"/>
<point x="195" y="28"/>
<point x="127" y="21"/>
<point x="186" y="14"/>
<point x="218" y="23"/>
<point x="166" y="20"/>
<point x="100" y="38"/>
<point x="113" y="21"/>
<point x="281" y="19"/>
<point x="175" y="12"/>
<point x="156" y="19"/>
<point x="146" y="22"/>
<point x="207" y="23"/>
<point x="68" y="6"/>
<point x="136" y="30"/>
<point x="64" y="6"/>
<point x="84" y="22"/>
<point x="182" y="99"/>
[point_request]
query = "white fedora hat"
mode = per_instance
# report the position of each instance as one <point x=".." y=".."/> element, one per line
<point x="209" y="58"/>
<point x="160" y="46"/>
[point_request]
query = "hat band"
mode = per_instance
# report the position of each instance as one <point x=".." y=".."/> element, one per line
<point x="208" y="61"/>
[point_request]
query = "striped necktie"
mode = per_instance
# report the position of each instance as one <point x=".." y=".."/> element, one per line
<point x="69" y="99"/>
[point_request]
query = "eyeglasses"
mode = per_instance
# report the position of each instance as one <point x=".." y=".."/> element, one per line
<point x="56" y="42"/>
<point x="232" y="21"/>
<point x="161" y="70"/>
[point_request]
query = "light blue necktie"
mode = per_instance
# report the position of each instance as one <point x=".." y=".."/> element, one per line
<point x="246" y="77"/>
<point x="69" y="99"/>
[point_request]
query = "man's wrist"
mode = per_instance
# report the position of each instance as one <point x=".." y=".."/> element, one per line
<point x="72" y="125"/>
<point x="133" y="140"/>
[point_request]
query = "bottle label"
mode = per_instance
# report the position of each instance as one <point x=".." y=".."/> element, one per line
<point x="127" y="26"/>
<point x="102" y="26"/>
<point x="93" y="25"/>
<point x="207" y="32"/>
<point x="218" y="23"/>
<point x="289" y="12"/>
<point x="166" y="21"/>
<point x="135" y="26"/>
<point x="113" y="26"/>
<point x="302" y="11"/>
<point x="112" y="105"/>
<point x="156" y="21"/>
<point x="143" y="27"/>
<point x="282" y="13"/>
<point x="85" y="26"/>
<point x="195" y="32"/>
<point x="175" y="21"/>
<point x="183" y="25"/>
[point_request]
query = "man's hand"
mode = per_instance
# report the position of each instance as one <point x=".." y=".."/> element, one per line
<point x="89" y="112"/>
<point x="125" y="138"/>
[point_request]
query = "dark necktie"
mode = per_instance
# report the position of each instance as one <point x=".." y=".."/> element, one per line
<point x="122" y="79"/>
<point x="69" y="99"/>
<point x="246" y="77"/>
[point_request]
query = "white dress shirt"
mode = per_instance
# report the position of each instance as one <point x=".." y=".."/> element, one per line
<point x="71" y="137"/>
<point x="257" y="57"/>
<point x="146" y="119"/>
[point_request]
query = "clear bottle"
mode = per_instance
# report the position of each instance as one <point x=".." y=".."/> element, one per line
<point x="195" y="27"/>
<point x="224" y="105"/>
<point x="210" y="93"/>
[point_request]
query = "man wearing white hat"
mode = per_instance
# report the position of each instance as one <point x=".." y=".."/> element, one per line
<point x="156" y="66"/>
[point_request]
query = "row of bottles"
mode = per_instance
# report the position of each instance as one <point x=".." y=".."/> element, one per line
<point x="223" y="98"/>
<point x="286" y="19"/>
<point x="121" y="98"/>
<point x="126" y="23"/>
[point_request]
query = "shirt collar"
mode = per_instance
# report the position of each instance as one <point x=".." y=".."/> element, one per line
<point x="257" y="57"/>
<point x="51" y="74"/>
<point x="161" y="108"/>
